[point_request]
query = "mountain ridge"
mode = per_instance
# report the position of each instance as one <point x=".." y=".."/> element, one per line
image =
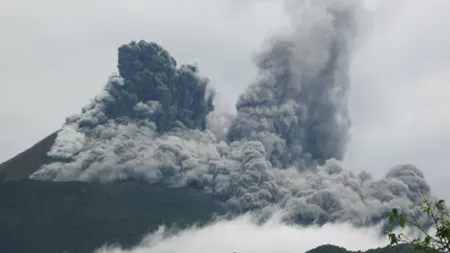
<point x="22" y="165"/>
<point x="54" y="217"/>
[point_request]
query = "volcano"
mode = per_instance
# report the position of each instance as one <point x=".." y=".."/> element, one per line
<point x="142" y="154"/>
<point x="146" y="150"/>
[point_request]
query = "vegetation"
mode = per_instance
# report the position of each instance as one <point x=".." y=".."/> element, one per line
<point x="37" y="216"/>
<point x="434" y="240"/>
<point x="335" y="249"/>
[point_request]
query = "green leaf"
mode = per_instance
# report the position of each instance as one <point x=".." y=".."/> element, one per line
<point x="393" y="238"/>
<point x="427" y="241"/>
<point x="435" y="211"/>
<point x="401" y="221"/>
<point x="440" y="205"/>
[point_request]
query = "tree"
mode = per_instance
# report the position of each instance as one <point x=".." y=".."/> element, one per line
<point x="433" y="240"/>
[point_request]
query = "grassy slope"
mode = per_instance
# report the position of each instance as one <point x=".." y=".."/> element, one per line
<point x="49" y="217"/>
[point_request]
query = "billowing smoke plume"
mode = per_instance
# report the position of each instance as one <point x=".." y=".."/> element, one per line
<point x="282" y="150"/>
<point x="298" y="107"/>
<point x="151" y="87"/>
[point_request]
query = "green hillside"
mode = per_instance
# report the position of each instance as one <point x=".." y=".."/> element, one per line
<point x="52" y="217"/>
<point x="387" y="249"/>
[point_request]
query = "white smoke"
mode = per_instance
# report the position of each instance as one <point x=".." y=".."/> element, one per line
<point x="283" y="147"/>
<point x="243" y="235"/>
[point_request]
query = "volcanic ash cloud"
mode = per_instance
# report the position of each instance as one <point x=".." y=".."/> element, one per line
<point x="155" y="123"/>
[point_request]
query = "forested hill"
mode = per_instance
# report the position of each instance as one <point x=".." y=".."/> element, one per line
<point x="387" y="249"/>
<point x="51" y="217"/>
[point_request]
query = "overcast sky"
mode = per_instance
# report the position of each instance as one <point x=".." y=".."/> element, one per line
<point x="56" y="55"/>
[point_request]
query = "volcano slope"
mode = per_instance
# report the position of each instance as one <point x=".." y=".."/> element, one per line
<point x="55" y="217"/>
<point x="37" y="216"/>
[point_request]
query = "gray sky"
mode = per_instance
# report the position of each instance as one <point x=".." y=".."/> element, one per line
<point x="56" y="55"/>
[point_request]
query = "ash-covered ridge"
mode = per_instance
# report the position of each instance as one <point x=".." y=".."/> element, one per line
<point x="154" y="123"/>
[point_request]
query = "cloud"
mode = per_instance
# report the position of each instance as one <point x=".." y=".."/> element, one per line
<point x="398" y="104"/>
<point x="243" y="234"/>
